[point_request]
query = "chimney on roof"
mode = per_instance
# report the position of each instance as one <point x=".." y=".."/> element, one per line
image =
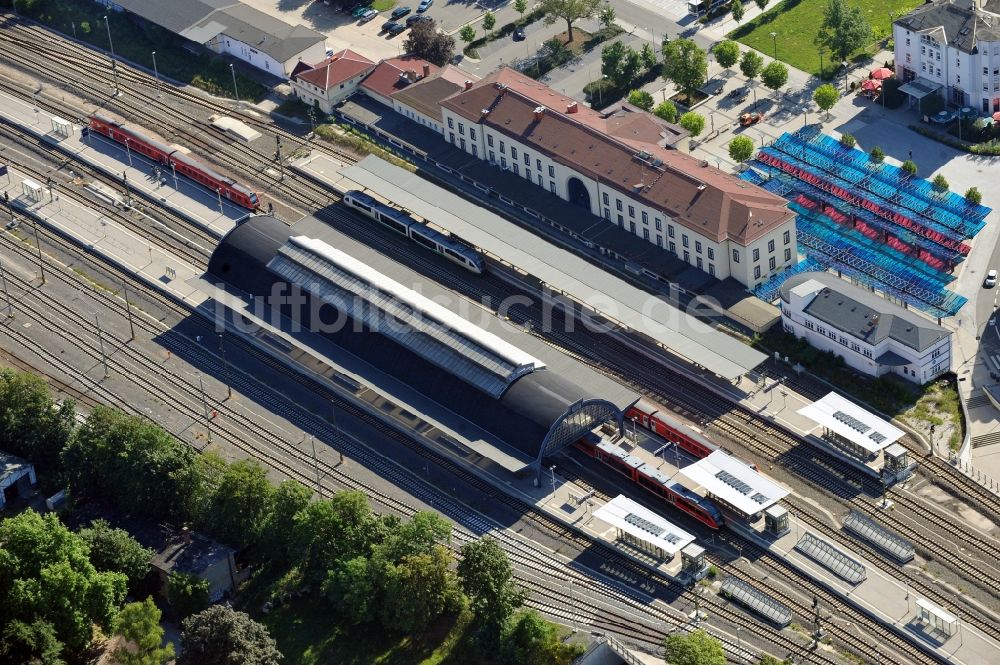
<point x="468" y="84"/>
<point x="572" y="107"/>
<point x="539" y="112"/>
<point x="427" y="70"/>
<point x="500" y="86"/>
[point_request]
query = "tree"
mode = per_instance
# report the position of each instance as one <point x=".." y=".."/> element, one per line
<point x="352" y="590"/>
<point x="418" y="536"/>
<point x="774" y="75"/>
<point x="569" y="11"/>
<point x="418" y="590"/>
<point x="877" y="155"/>
<point x="333" y="530"/>
<point x="648" y="57"/>
<point x="694" y="648"/>
<point x="940" y="182"/>
<point x="32" y="643"/>
<point x="32" y="425"/>
<point x="685" y="64"/>
<point x="290" y="497"/>
<point x="520" y="6"/>
<point x="139" y="624"/>
<point x="487" y="578"/>
<point x="741" y="148"/>
<point x="425" y="41"/>
<point x="46" y="575"/>
<point x="693" y="122"/>
<point x="761" y="3"/>
<point x="467" y="33"/>
<point x="115" y="550"/>
<point x="826" y="96"/>
<point x="727" y="53"/>
<point x="612" y="59"/>
<point x="532" y="640"/>
<point x="973" y="196"/>
<point x="910" y="167"/>
<point x="642" y="99"/>
<point x="187" y="594"/>
<point x="134" y="464"/>
<point x="845" y="29"/>
<point x="750" y="64"/>
<point x="240" y="506"/>
<point x="489" y="22"/>
<point x="848" y="140"/>
<point x="737" y="10"/>
<point x="221" y="636"/>
<point x="666" y="111"/>
<point x="606" y="16"/>
<point x="768" y="659"/>
<point x="631" y="66"/>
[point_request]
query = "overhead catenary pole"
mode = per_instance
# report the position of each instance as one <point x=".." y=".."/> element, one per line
<point x="156" y="73"/>
<point x="114" y="65"/>
<point x="236" y="90"/>
<point x="312" y="439"/>
<point x="128" y="310"/>
<point x="38" y="246"/>
<point x="6" y="293"/>
<point x="204" y="403"/>
<point x="100" y="341"/>
<point x="225" y="367"/>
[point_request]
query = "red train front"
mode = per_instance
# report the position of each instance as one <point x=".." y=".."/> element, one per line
<point x="170" y="156"/>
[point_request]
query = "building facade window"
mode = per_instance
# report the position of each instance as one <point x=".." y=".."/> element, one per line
<point x="659" y="224"/>
<point x="771" y="264"/>
<point x="645" y="234"/>
<point x="461" y="129"/>
<point x="697" y="246"/>
<point x="645" y="217"/>
<point x="607" y="214"/>
<point x="472" y="133"/>
<point x="489" y="140"/>
<point x="770" y="247"/>
<point x="756" y="255"/>
<point x="787" y="237"/>
<point x="451" y="123"/>
<point x="552" y="187"/>
<point x="736" y="256"/>
<point x="711" y="254"/>
<point x="711" y="269"/>
<point x="684" y="240"/>
<point x="503" y="148"/>
<point x="756" y="272"/>
<point x="631" y="211"/>
<point x="687" y="256"/>
<point x="788" y="255"/>
<point x="503" y="162"/>
<point x="673" y="248"/>
<point x="606" y="198"/>
<point x="670" y="231"/>
<point x="552" y="171"/>
<point x="513" y="152"/>
<point x="527" y="159"/>
<point x="618" y="205"/>
<point x="699" y="262"/>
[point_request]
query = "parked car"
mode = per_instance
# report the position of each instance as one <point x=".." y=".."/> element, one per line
<point x="399" y="12"/>
<point x="518" y="34"/>
<point x="416" y="18"/>
<point x="748" y="119"/>
<point x="991" y="279"/>
<point x="367" y="15"/>
<point x="387" y="25"/>
<point x="424" y="5"/>
<point x="359" y="10"/>
<point x="396" y="29"/>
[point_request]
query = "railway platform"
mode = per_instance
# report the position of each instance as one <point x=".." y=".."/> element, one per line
<point x="875" y="592"/>
<point x="134" y="172"/>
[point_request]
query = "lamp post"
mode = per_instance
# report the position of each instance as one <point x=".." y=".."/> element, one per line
<point x="774" y="39"/>
<point x="156" y="73"/>
<point x="225" y="367"/>
<point x="844" y="65"/>
<point x="821" y="52"/>
<point x="128" y="151"/>
<point x="235" y="89"/>
<point x="600" y="90"/>
<point x="111" y="47"/>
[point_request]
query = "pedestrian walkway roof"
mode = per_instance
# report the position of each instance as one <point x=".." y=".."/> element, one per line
<point x="734" y="483"/>
<point x="845" y="418"/>
<point x="561" y="270"/>
<point x="645" y="525"/>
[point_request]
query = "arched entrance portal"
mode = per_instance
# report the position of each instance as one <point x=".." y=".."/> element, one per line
<point x="579" y="195"/>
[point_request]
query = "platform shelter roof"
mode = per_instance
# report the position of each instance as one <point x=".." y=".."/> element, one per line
<point x="563" y="271"/>
<point x="845" y="418"/>
<point x="734" y="482"/>
<point x="642" y="523"/>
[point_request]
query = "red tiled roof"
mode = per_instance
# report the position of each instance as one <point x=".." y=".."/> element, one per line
<point x="336" y="69"/>
<point x="385" y="78"/>
<point x="713" y="203"/>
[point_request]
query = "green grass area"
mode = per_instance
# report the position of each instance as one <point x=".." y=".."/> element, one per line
<point x="797" y="23"/>
<point x="940" y="405"/>
<point x="383" y="5"/>
<point x="136" y="40"/>
<point x="348" y="137"/>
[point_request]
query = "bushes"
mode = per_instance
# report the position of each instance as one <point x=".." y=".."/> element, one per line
<point x="909" y="167"/>
<point x="877" y="155"/>
<point x="505" y="30"/>
<point x="940" y="183"/>
<point x="973" y="196"/>
<point x="848" y="141"/>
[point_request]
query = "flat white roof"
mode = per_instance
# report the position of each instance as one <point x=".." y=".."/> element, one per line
<point x="564" y="271"/>
<point x="419" y="303"/>
<point x="734" y="482"/>
<point x="844" y="417"/>
<point x="944" y="615"/>
<point x="642" y="523"/>
<point x="237" y="128"/>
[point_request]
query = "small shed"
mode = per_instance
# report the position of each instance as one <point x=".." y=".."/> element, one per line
<point x="192" y="553"/>
<point x="17" y="476"/>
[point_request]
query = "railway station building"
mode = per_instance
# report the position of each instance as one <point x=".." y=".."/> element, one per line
<point x="738" y="488"/>
<point x="505" y="402"/>
<point x="331" y="81"/>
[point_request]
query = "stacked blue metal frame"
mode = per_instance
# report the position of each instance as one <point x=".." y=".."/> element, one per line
<point x="768" y="291"/>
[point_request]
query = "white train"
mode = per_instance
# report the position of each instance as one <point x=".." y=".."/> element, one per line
<point x="418" y="232"/>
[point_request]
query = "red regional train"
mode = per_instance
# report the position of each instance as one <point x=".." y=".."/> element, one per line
<point x="649" y="478"/>
<point x="182" y="163"/>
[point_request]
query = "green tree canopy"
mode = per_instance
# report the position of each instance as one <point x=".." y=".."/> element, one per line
<point x="848" y="140"/>
<point x="737" y="10"/>
<point x="666" y="111"/>
<point x="487" y="578"/>
<point x="631" y="67"/>
<point x="467" y="33"/>
<point x="139" y="624"/>
<point x="694" y="648"/>
<point x="521" y="6"/>
<point x="418" y="589"/>
<point x="489" y="21"/>
<point x="775" y="75"/>
<point x="606" y="16"/>
<point x="973" y="196"/>
<point x="877" y="155"/>
<point x="761" y="4"/>
<point x="532" y="640"/>
<point x="642" y="99"/>
<point x="425" y="41"/>
<point x="134" y="464"/>
<point x="570" y="11"/>
<point x="751" y="63"/>
<point x="693" y="122"/>
<point x="418" y="536"/>
<point x="290" y="497"/>
<point x="32" y="425"/>
<point x="222" y="636"/>
<point x="187" y="594"/>
<point x="115" y="550"/>
<point x="845" y="29"/>
<point x="32" y="643"/>
<point x="685" y="64"/>
<point x="647" y="56"/>
<point x="241" y="505"/>
<point x="826" y="96"/>
<point x="337" y="529"/>
<point x="940" y="182"/>
<point x="727" y="53"/>
<point x="353" y="589"/>
<point x="46" y="574"/>
<point x="741" y="148"/>
<point x="612" y="59"/>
